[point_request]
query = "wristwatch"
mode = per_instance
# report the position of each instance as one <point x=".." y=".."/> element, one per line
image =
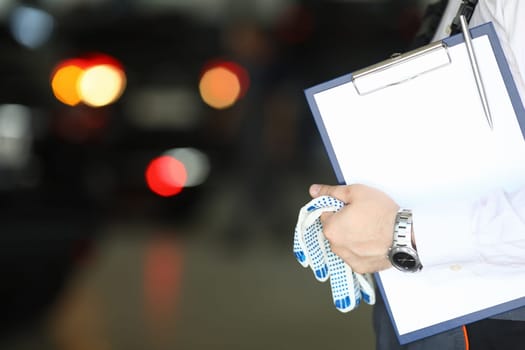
<point x="402" y="254"/>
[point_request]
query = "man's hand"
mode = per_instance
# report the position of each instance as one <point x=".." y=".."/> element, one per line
<point x="361" y="233"/>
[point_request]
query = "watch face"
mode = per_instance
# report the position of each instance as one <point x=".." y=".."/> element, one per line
<point x="404" y="260"/>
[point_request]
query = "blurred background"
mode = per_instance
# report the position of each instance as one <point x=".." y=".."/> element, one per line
<point x="154" y="155"/>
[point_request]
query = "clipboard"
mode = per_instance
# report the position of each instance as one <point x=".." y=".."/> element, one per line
<point x="414" y="127"/>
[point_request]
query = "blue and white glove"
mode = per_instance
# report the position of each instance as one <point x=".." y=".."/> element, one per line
<point x="312" y="249"/>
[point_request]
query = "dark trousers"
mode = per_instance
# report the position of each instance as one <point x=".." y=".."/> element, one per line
<point x="492" y="334"/>
<point x="488" y="334"/>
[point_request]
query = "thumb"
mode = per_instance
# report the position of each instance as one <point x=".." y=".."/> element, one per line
<point x="340" y="192"/>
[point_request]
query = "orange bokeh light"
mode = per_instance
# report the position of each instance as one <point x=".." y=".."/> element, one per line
<point x="223" y="83"/>
<point x="96" y="80"/>
<point x="166" y="176"/>
<point x="64" y="82"/>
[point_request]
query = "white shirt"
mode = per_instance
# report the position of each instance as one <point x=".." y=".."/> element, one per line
<point x="496" y="222"/>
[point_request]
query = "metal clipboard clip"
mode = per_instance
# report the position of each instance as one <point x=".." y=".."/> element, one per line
<point x="401" y="68"/>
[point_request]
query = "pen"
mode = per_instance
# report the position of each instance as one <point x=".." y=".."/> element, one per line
<point x="475" y="70"/>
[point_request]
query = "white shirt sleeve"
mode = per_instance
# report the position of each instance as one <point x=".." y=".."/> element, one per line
<point x="435" y="239"/>
<point x="499" y="228"/>
<point x="495" y="225"/>
<point x="496" y="222"/>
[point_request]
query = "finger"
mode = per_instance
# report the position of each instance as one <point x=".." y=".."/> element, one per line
<point x="328" y="205"/>
<point x="342" y="192"/>
<point x="307" y="216"/>
<point x="299" y="245"/>
<point x="298" y="251"/>
<point x="366" y="282"/>
<point x="308" y="238"/>
<point x="346" y="293"/>
<point x="326" y="216"/>
<point x="315" y="251"/>
<point x="321" y="206"/>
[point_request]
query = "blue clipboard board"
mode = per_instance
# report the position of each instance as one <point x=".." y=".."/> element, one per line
<point x="386" y="79"/>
